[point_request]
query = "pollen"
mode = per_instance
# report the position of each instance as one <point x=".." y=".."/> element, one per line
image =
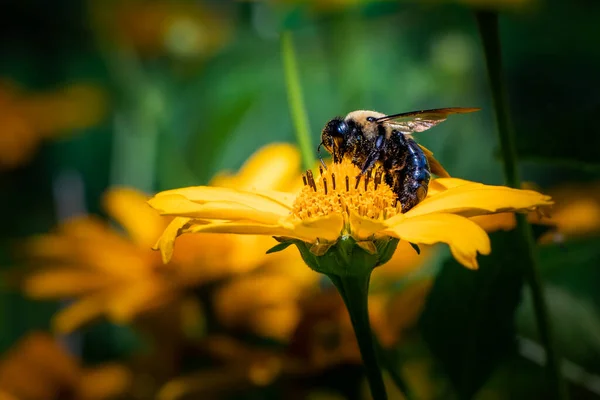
<point x="341" y="189"/>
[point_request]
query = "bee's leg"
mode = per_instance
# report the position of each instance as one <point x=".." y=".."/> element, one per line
<point x="374" y="155"/>
<point x="320" y="157"/>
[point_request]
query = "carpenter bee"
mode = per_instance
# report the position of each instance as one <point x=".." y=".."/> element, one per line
<point x="374" y="140"/>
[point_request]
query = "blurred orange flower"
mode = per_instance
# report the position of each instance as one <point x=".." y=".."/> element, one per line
<point x="38" y="368"/>
<point x="28" y="118"/>
<point x="183" y="29"/>
<point x="119" y="276"/>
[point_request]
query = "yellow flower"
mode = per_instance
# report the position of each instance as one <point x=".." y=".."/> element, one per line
<point x="120" y="277"/>
<point x="335" y="207"/>
<point x="37" y="368"/>
<point x="27" y="119"/>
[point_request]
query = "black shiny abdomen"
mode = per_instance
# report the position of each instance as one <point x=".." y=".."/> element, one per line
<point x="411" y="180"/>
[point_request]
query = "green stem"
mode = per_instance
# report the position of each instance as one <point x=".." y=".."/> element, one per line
<point x="387" y="361"/>
<point x="487" y="22"/>
<point x="355" y="292"/>
<point x="296" y="100"/>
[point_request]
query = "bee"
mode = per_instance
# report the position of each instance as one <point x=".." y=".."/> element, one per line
<point x="374" y="140"/>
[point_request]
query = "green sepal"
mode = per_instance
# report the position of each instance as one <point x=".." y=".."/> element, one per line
<point x="279" y="247"/>
<point x="345" y="257"/>
<point x="416" y="247"/>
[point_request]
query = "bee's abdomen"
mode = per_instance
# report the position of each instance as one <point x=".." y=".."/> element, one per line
<point x="412" y="188"/>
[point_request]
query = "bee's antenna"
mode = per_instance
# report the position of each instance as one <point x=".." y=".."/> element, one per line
<point x="320" y="157"/>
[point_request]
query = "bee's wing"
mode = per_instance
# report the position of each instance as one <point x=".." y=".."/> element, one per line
<point x="419" y="121"/>
<point x="434" y="165"/>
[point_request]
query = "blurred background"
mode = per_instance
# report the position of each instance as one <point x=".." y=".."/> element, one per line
<point x="104" y="102"/>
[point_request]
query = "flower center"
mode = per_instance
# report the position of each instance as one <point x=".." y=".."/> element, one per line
<point x="341" y="189"/>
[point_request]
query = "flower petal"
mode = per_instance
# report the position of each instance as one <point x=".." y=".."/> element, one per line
<point x="464" y="237"/>
<point x="177" y="205"/>
<point x="327" y="227"/>
<point x="207" y="194"/>
<point x="166" y="242"/>
<point x="271" y="168"/>
<point x="363" y="227"/>
<point x="105" y="381"/>
<point x="79" y="313"/>
<point x="473" y="199"/>
<point x="64" y="282"/>
<point x="442" y="184"/>
<point x="83" y="241"/>
<point x="309" y="230"/>
<point x="129" y="208"/>
<point x="138" y="297"/>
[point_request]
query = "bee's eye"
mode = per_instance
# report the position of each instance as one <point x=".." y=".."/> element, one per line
<point x="342" y="128"/>
<point x="371" y="119"/>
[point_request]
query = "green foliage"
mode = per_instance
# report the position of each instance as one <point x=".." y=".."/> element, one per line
<point x="468" y="321"/>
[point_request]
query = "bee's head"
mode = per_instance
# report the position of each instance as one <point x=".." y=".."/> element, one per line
<point x="334" y="136"/>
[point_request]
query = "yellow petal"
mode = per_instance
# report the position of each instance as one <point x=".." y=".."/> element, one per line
<point x="248" y="228"/>
<point x="208" y="194"/>
<point x="138" y="297"/>
<point x="442" y="184"/>
<point x="328" y="227"/>
<point x="309" y="230"/>
<point x="474" y="199"/>
<point x="464" y="237"/>
<point x="64" y="282"/>
<point x="363" y="227"/>
<point x="235" y="299"/>
<point x="178" y="205"/>
<point x="220" y="255"/>
<point x="279" y="322"/>
<point x="286" y="199"/>
<point x="90" y="242"/>
<point x="166" y="242"/>
<point x="79" y="313"/>
<point x="129" y="208"/>
<point x="103" y="382"/>
<point x="270" y="168"/>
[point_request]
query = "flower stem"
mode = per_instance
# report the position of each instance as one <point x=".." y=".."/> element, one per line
<point x="487" y="22"/>
<point x="296" y="100"/>
<point x="387" y="361"/>
<point x="354" y="289"/>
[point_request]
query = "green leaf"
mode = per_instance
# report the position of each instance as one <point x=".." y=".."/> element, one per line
<point x="468" y="321"/>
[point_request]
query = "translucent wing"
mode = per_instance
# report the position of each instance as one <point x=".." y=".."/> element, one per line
<point x="434" y="165"/>
<point x="419" y="121"/>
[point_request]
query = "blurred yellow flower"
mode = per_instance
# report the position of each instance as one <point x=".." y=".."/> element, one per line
<point x="183" y="29"/>
<point x="37" y="368"/>
<point x="576" y="213"/>
<point x="333" y="206"/>
<point x="325" y="336"/>
<point x="119" y="276"/>
<point x="28" y="118"/>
